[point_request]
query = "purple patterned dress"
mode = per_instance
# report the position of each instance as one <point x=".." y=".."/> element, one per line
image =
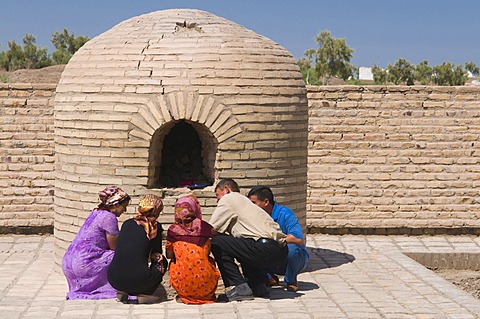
<point x="87" y="258"/>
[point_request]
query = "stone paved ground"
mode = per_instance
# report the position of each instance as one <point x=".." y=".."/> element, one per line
<point x="348" y="277"/>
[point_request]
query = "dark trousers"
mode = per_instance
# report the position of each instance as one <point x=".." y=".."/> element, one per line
<point x="253" y="256"/>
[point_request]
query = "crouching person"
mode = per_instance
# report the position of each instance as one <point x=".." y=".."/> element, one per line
<point x="298" y="257"/>
<point x="244" y="233"/>
<point x="138" y="266"/>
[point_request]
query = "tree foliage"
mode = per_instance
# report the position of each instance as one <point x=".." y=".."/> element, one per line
<point x="331" y="59"/>
<point x="472" y="68"/>
<point x="27" y="57"/>
<point x="403" y="72"/>
<point x="30" y="56"/>
<point x="308" y="72"/>
<point x="66" y="45"/>
<point x="449" y="74"/>
<point x="423" y="73"/>
<point x="379" y="75"/>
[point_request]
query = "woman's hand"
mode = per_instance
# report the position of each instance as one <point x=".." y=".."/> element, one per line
<point x="170" y="254"/>
<point x="112" y="241"/>
<point x="156" y="257"/>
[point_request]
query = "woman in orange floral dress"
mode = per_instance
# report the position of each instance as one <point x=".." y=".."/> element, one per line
<point x="192" y="271"/>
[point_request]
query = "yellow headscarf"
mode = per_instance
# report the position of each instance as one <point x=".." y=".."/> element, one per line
<point x="149" y="209"/>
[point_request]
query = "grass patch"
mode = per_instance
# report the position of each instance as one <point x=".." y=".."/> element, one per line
<point x="359" y="82"/>
<point x="4" y="78"/>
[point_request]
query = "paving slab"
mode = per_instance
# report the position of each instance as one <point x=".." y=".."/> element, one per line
<point x="349" y="276"/>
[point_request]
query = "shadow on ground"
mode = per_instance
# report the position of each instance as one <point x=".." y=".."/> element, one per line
<point x="277" y="293"/>
<point x="321" y="258"/>
<point x="280" y="292"/>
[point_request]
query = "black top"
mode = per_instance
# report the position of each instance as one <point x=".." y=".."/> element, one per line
<point x="129" y="270"/>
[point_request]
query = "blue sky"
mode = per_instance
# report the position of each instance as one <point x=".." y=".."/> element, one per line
<point x="380" y="31"/>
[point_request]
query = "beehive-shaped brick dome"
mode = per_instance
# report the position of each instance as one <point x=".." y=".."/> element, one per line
<point x="176" y="98"/>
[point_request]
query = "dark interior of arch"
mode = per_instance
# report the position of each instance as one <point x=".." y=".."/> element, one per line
<point x="182" y="162"/>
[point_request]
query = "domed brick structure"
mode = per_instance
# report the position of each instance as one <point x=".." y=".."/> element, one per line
<point x="176" y="99"/>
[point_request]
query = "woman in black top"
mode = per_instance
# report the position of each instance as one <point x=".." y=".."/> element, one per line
<point x="139" y="242"/>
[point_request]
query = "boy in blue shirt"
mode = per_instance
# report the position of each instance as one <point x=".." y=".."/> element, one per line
<point x="298" y="257"/>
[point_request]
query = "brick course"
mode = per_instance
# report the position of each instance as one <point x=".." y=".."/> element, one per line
<point x="393" y="158"/>
<point x="387" y="167"/>
<point x="26" y="157"/>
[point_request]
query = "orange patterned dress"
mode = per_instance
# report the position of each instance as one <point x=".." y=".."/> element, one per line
<point x="193" y="273"/>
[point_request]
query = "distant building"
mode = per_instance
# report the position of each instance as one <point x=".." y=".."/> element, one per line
<point x="365" y="73"/>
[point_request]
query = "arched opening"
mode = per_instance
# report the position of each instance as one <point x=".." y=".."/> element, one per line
<point x="182" y="154"/>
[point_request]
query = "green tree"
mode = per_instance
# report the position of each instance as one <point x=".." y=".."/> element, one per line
<point x="35" y="57"/>
<point x="460" y="76"/>
<point x="27" y="57"/>
<point x="449" y="74"/>
<point x="308" y="72"/>
<point x="332" y="58"/>
<point x="423" y="73"/>
<point x="12" y="59"/>
<point x="473" y="68"/>
<point x="379" y="75"/>
<point x="401" y="72"/>
<point x="66" y="45"/>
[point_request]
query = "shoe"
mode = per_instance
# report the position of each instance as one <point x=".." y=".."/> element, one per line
<point x="292" y="287"/>
<point x="122" y="296"/>
<point x="261" y="291"/>
<point x="178" y="299"/>
<point x="222" y="298"/>
<point x="237" y="293"/>
<point x="148" y="299"/>
<point x="272" y="281"/>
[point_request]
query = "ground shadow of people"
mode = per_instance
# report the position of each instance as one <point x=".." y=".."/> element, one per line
<point x="321" y="258"/>
<point x="279" y="292"/>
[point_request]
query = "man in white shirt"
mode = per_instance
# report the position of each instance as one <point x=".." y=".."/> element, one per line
<point x="247" y="234"/>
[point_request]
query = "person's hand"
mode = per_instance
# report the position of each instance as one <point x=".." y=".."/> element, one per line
<point x="156" y="257"/>
<point x="290" y="239"/>
<point x="158" y="262"/>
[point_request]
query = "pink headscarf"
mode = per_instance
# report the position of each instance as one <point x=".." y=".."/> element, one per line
<point x="189" y="225"/>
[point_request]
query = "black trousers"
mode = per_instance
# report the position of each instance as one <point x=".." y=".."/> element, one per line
<point x="254" y="257"/>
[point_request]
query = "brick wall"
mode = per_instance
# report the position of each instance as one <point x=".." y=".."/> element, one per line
<point x="393" y="159"/>
<point x="26" y="157"/>
<point x="381" y="159"/>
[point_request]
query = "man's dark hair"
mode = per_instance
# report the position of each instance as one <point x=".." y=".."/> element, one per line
<point x="230" y="183"/>
<point x="262" y="192"/>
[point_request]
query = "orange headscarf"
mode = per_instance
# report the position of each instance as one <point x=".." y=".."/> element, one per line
<point x="149" y="209"/>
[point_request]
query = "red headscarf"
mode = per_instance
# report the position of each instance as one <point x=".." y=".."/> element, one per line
<point x="189" y="225"/>
<point x="149" y="209"/>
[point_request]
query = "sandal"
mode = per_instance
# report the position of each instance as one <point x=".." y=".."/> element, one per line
<point x="178" y="299"/>
<point x="292" y="287"/>
<point x="148" y="299"/>
<point x="272" y="280"/>
<point x="122" y="296"/>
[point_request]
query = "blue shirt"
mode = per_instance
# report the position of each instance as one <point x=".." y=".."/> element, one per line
<point x="288" y="222"/>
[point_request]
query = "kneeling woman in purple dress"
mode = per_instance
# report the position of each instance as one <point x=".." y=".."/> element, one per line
<point x="87" y="258"/>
